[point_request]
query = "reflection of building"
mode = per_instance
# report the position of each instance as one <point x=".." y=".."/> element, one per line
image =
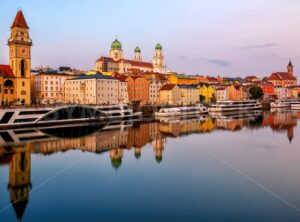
<point x="19" y="179"/>
<point x="15" y="77"/>
<point x="116" y="156"/>
<point x="158" y="146"/>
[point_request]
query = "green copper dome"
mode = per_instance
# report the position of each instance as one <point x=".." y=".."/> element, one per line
<point x="116" y="45"/>
<point x="137" y="49"/>
<point x="158" y="47"/>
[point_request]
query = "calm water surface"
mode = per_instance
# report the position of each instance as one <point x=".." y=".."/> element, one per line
<point x="208" y="169"/>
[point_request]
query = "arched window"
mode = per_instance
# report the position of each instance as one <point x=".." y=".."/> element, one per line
<point x="8" y="84"/>
<point x="23" y="68"/>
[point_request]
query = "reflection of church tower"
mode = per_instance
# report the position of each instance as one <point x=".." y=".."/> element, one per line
<point x="158" y="146"/>
<point x="116" y="156"/>
<point x="137" y="152"/>
<point x="159" y="60"/>
<point x="19" y="180"/>
<point x="116" y="52"/>
<point x="290" y="133"/>
<point x="137" y="54"/>
<point x="290" y="68"/>
<point x="20" y="57"/>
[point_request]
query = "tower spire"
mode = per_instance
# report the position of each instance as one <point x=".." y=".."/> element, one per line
<point x="20" y="21"/>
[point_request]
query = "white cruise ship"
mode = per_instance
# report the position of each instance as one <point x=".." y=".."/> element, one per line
<point x="230" y="106"/>
<point x="70" y="114"/>
<point x="181" y="111"/>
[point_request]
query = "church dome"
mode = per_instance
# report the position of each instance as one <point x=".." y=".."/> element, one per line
<point x="116" y="45"/>
<point x="137" y="49"/>
<point x="158" y="47"/>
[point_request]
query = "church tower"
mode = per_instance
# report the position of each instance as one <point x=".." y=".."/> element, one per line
<point x="158" y="60"/>
<point x="19" y="180"/>
<point x="20" y="58"/>
<point x="137" y="54"/>
<point x="116" y="52"/>
<point x="290" y="68"/>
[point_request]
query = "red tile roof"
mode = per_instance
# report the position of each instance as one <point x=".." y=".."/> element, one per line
<point x="6" y="71"/>
<point x="135" y="70"/>
<point x="138" y="63"/>
<point x="168" y="87"/>
<point x="20" y="21"/>
<point x="281" y="76"/>
<point x="106" y="59"/>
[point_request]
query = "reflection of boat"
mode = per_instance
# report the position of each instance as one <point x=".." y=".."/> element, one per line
<point x="18" y="136"/>
<point x="295" y="106"/>
<point x="173" y="119"/>
<point x="229" y="106"/>
<point x="279" y="104"/>
<point x="245" y="115"/>
<point x="181" y="111"/>
<point x="29" y="117"/>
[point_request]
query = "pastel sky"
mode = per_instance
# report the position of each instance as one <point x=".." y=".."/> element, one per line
<point x="226" y="37"/>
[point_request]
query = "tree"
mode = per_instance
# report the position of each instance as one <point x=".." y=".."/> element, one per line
<point x="202" y="98"/>
<point x="256" y="92"/>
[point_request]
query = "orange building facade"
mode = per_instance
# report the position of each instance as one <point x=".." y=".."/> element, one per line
<point x="138" y="89"/>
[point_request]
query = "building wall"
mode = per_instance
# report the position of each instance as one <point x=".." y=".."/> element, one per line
<point x="172" y="97"/>
<point x="48" y="88"/>
<point x="189" y="96"/>
<point x="138" y="89"/>
<point x="235" y="93"/>
<point x="92" y="91"/>
<point x="154" y="88"/>
<point x="221" y="95"/>
<point x="207" y="92"/>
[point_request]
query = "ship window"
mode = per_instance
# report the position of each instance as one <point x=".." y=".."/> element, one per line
<point x="34" y="112"/>
<point x="6" y="137"/>
<point x="25" y="120"/>
<point x="7" y="116"/>
<point x="73" y="113"/>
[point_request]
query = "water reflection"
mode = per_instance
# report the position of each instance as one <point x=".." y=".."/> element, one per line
<point x="16" y="146"/>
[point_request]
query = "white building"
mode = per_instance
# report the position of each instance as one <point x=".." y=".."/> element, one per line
<point x="95" y="89"/>
<point x="47" y="88"/>
<point x="221" y="94"/>
<point x="281" y="92"/>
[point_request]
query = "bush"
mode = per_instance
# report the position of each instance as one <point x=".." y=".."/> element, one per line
<point x="256" y="92"/>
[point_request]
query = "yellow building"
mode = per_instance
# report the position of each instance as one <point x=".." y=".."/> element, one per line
<point x="189" y="94"/>
<point x="181" y="80"/>
<point x="207" y="91"/>
<point x="170" y="94"/>
<point x="15" y="87"/>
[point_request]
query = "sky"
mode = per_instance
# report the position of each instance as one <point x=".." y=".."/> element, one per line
<point x="209" y="37"/>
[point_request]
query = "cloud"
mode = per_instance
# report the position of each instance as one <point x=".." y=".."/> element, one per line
<point x="182" y="57"/>
<point x="266" y="45"/>
<point x="217" y="62"/>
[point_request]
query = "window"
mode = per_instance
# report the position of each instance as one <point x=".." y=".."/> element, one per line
<point x="23" y="68"/>
<point x="23" y="84"/>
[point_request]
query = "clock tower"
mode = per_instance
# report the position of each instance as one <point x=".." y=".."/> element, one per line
<point x="20" y="58"/>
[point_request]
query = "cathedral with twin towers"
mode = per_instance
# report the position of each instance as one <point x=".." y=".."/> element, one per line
<point x="116" y="62"/>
